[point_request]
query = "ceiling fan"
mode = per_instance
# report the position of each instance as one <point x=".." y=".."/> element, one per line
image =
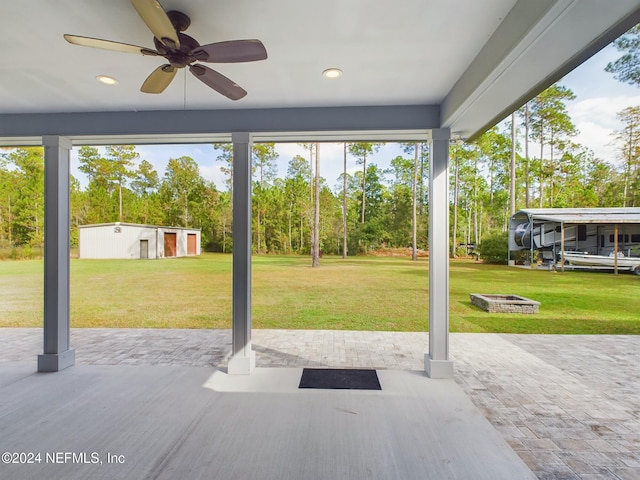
<point x="181" y="51"/>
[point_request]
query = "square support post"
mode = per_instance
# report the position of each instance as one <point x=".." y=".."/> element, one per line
<point x="437" y="363"/>
<point x="57" y="354"/>
<point x="243" y="359"/>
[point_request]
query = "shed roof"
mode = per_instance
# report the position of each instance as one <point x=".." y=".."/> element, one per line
<point x="113" y="224"/>
<point x="581" y="215"/>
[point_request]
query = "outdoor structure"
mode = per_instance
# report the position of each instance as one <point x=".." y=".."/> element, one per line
<point x="408" y="76"/>
<point x="495" y="303"/>
<point x="132" y="241"/>
<point x="556" y="233"/>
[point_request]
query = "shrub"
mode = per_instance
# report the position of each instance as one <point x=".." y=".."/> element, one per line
<point x="494" y="248"/>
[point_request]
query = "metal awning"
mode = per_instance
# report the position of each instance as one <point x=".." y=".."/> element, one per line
<point x="580" y="215"/>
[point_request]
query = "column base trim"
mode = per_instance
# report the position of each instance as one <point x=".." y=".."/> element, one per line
<point x="242" y="365"/>
<point x="54" y="362"/>
<point x="438" y="368"/>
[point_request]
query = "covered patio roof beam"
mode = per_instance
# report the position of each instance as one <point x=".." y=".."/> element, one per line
<point x="271" y="124"/>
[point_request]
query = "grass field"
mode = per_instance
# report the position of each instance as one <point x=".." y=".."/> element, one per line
<point x="361" y="293"/>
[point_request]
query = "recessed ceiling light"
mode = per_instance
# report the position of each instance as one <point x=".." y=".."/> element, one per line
<point x="332" y="73"/>
<point x="107" y="80"/>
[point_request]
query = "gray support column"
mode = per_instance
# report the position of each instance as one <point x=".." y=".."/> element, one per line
<point x="243" y="359"/>
<point x="57" y="354"/>
<point x="437" y="362"/>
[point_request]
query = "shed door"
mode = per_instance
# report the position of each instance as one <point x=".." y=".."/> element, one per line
<point x="170" y="244"/>
<point x="192" y="238"/>
<point x="144" y="248"/>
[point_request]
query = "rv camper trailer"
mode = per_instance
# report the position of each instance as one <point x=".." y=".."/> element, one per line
<point x="579" y="236"/>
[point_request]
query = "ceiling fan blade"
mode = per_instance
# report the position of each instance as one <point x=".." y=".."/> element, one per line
<point x="233" y="51"/>
<point x="218" y="82"/>
<point x="158" y="22"/>
<point x="108" y="45"/>
<point x="159" y="79"/>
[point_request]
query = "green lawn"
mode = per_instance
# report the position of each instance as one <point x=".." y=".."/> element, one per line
<point x="361" y="293"/>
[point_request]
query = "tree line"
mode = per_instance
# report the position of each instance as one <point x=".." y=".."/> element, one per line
<point x="359" y="212"/>
<point x="374" y="204"/>
<point x="303" y="212"/>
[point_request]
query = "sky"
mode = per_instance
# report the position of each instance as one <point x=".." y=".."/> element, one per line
<point x="599" y="97"/>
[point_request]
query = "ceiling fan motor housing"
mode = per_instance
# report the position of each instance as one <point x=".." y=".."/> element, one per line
<point x="178" y="57"/>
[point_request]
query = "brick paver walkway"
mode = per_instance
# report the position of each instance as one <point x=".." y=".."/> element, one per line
<point x="568" y="405"/>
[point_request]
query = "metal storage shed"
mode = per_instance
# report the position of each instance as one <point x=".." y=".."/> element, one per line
<point x="133" y="241"/>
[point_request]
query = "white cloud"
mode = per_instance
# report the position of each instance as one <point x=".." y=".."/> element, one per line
<point x="596" y="120"/>
<point x="213" y="174"/>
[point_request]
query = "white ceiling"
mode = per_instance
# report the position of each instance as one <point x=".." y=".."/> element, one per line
<point x="472" y="58"/>
<point x="406" y="49"/>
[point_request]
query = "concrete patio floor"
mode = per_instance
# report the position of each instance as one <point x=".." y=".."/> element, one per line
<point x="568" y="406"/>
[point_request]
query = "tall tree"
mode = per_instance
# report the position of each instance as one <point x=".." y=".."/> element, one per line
<point x="344" y="202"/>
<point x="627" y="67"/>
<point x="551" y="126"/>
<point x="264" y="163"/>
<point x="399" y="219"/>
<point x="311" y="148"/>
<point x="122" y="158"/>
<point x="226" y="156"/>
<point x="361" y="151"/>
<point x="464" y="160"/>
<point x="628" y="145"/>
<point x="181" y="191"/>
<point x="527" y="178"/>
<point x="297" y="191"/>
<point x="416" y="148"/>
<point x="102" y="181"/>
<point x="25" y="195"/>
<point x="512" y="169"/>
<point x="315" y="248"/>
<point x="494" y="148"/>
<point x="374" y="233"/>
<point x="145" y="183"/>
<point x="414" y="205"/>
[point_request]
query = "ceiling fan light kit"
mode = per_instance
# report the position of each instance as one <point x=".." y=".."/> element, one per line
<point x="181" y="51"/>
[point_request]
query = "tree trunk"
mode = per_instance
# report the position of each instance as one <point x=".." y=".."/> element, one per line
<point x="526" y="154"/>
<point x="120" y="201"/>
<point x="10" y="223"/>
<point x="301" y="247"/>
<point x="512" y="190"/>
<point x="258" y="229"/>
<point x="491" y="174"/>
<point x="290" y="230"/>
<point x="627" y="170"/>
<point x="259" y="208"/>
<point x="311" y="172"/>
<point x="476" y="238"/>
<point x="421" y="206"/>
<point x="344" y="205"/>
<point x="364" y="184"/>
<point x="541" y="187"/>
<point x="315" y="249"/>
<point x="224" y="233"/>
<point x="456" y="192"/>
<point x="414" y="213"/>
<point x="551" y="177"/>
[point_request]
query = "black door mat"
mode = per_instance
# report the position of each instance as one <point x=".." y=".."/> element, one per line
<point x="339" y="379"/>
